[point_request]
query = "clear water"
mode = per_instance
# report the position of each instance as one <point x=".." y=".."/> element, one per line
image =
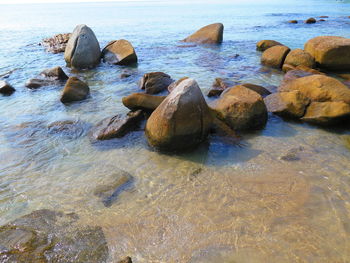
<point x="221" y="203"/>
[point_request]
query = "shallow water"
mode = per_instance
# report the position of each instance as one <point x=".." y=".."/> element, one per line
<point x="220" y="203"/>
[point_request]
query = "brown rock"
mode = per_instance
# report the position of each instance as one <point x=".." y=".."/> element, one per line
<point x="320" y="88"/>
<point x="211" y="34"/>
<point x="299" y="57"/>
<point x="55" y="73"/>
<point x="141" y="101"/>
<point x="117" y="126"/>
<point x="48" y="77"/>
<point x="181" y="121"/>
<point x="310" y="20"/>
<point x="287" y="67"/>
<point x="266" y="44"/>
<point x="155" y="82"/>
<point x="119" y="52"/>
<point x="324" y="16"/>
<point x="174" y="84"/>
<point x="291" y="76"/>
<point x="125" y="260"/>
<point x="287" y="104"/>
<point x="241" y="108"/>
<point x="74" y="90"/>
<point x="327" y="113"/>
<point x="293" y="21"/>
<point x="57" y="43"/>
<point x="275" y="56"/>
<point x="219" y="86"/>
<point x="330" y="52"/>
<point x="5" y="88"/>
<point x="258" y="89"/>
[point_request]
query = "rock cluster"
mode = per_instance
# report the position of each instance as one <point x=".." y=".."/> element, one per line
<point x="57" y="43"/>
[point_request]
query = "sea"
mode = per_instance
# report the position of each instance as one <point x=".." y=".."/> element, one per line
<point x="282" y="194"/>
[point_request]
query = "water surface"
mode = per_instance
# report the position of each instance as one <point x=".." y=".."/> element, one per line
<point x="220" y="203"/>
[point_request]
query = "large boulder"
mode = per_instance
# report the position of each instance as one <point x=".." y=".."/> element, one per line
<point x="74" y="90"/>
<point x="181" y="121"/>
<point x="298" y="57"/>
<point x="211" y="34"/>
<point x="330" y="52"/>
<point x="241" y="108"/>
<point x="290" y="104"/>
<point x="320" y="88"/>
<point x="83" y="50"/>
<point x="142" y="101"/>
<point x="291" y="76"/>
<point x="57" y="43"/>
<point x="275" y="56"/>
<point x="266" y="44"/>
<point x="155" y="82"/>
<point x="327" y="113"/>
<point x="117" y="126"/>
<point x="119" y="52"/>
<point x="5" y="88"/>
<point x="174" y="84"/>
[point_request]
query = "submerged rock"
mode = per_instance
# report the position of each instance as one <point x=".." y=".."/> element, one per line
<point x="210" y="34"/>
<point x="241" y="108"/>
<point x="293" y="154"/>
<point x="155" y="82"/>
<point x="181" y="121"/>
<point x="5" y="88"/>
<point x="117" y="126"/>
<point x="293" y="21"/>
<point x="111" y="186"/>
<point x="320" y="88"/>
<point x="74" y="90"/>
<point x="141" y="101"/>
<point x="48" y="236"/>
<point x="310" y="20"/>
<point x="330" y="52"/>
<point x="67" y="128"/>
<point x="83" y="50"/>
<point x="48" y="77"/>
<point x="275" y="56"/>
<point x="298" y="57"/>
<point x="287" y="104"/>
<point x="266" y="44"/>
<point x="57" y="43"/>
<point x="119" y="52"/>
<point x="327" y="113"/>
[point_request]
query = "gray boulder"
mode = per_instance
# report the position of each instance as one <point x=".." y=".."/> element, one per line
<point x="83" y="50"/>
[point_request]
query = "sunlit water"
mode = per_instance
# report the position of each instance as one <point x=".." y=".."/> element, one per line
<point x="221" y="203"/>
